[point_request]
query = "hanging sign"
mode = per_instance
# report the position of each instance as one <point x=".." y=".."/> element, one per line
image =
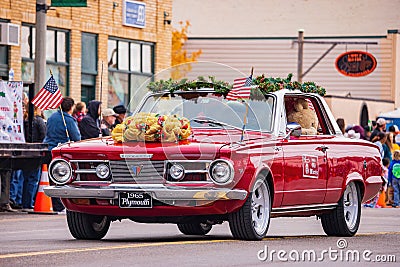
<point x="69" y="3"/>
<point x="355" y="63"/>
<point x="11" y="115"/>
<point x="134" y="14"/>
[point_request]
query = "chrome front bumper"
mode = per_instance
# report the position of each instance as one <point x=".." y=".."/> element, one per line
<point x="159" y="192"/>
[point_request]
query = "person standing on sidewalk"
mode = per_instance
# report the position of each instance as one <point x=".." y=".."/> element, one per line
<point x="56" y="134"/>
<point x="394" y="178"/>
<point x="90" y="124"/>
<point x="32" y="177"/>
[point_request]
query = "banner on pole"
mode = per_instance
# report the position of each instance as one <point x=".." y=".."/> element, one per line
<point x="11" y="115"/>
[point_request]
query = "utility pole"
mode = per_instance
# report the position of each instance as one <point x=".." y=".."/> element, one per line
<point x="40" y="44"/>
<point x="300" y="56"/>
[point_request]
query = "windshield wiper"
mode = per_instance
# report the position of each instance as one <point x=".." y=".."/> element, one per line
<point x="218" y="123"/>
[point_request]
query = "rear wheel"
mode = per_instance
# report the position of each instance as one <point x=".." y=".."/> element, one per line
<point x="87" y="226"/>
<point x="251" y="222"/>
<point x="194" y="228"/>
<point x="345" y="219"/>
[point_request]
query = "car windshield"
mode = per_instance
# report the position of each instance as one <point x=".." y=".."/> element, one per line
<point x="205" y="109"/>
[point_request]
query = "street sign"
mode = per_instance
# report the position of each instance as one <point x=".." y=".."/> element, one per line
<point x="69" y="3"/>
<point x="355" y="63"/>
<point x="134" y="14"/>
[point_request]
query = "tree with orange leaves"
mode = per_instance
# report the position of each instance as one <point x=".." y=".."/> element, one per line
<point x="180" y="59"/>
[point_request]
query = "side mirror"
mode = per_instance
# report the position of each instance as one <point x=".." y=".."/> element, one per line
<point x="293" y="129"/>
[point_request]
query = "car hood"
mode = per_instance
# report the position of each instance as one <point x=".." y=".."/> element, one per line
<point x="203" y="144"/>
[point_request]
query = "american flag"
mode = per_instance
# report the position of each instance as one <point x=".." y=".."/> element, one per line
<point x="241" y="89"/>
<point x="49" y="97"/>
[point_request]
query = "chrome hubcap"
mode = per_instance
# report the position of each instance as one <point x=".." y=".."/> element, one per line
<point x="350" y="205"/>
<point x="260" y="207"/>
<point x="98" y="226"/>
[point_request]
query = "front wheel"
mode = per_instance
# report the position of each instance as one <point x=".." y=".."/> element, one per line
<point x="194" y="228"/>
<point x="251" y="222"/>
<point x="87" y="226"/>
<point x="344" y="220"/>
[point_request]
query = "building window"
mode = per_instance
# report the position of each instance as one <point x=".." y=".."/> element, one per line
<point x="3" y="62"/>
<point x="89" y="67"/>
<point x="130" y="65"/>
<point x="56" y="55"/>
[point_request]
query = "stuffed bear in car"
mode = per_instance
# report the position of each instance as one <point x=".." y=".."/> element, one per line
<point x="301" y="113"/>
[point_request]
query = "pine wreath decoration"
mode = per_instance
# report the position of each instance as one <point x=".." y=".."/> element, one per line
<point x="269" y="85"/>
<point x="263" y="85"/>
<point x="170" y="85"/>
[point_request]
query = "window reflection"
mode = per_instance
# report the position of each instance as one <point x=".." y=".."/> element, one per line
<point x="118" y="84"/>
<point x="147" y="58"/>
<point x="25" y="44"/>
<point x="112" y="54"/>
<point x="61" y="49"/>
<point x="123" y="58"/>
<point x="50" y="46"/>
<point x="135" y="57"/>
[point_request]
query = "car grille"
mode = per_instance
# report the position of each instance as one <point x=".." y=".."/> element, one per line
<point x="137" y="171"/>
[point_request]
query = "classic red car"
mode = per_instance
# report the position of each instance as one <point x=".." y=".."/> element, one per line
<point x="220" y="172"/>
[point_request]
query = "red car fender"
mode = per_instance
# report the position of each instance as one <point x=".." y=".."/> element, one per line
<point x="357" y="179"/>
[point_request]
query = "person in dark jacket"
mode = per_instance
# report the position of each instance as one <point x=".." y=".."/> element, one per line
<point x="380" y="127"/>
<point x="56" y="134"/>
<point x="120" y="110"/>
<point x="31" y="178"/>
<point x="90" y="124"/>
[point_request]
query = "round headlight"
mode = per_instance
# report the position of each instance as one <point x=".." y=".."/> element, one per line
<point x="176" y="172"/>
<point x="102" y="171"/>
<point x="221" y="171"/>
<point x="60" y="172"/>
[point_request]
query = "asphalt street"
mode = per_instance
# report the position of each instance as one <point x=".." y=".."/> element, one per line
<point x="44" y="240"/>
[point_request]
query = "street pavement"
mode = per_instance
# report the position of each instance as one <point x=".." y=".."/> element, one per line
<point x="39" y="240"/>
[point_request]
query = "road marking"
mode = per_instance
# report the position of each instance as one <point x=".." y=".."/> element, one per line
<point x="36" y="218"/>
<point x="142" y="245"/>
<point x="65" y="251"/>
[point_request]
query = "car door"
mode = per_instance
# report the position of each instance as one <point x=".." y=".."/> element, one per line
<point x="305" y="156"/>
<point x="305" y="171"/>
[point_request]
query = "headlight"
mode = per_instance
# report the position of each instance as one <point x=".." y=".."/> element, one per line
<point x="221" y="171"/>
<point x="60" y="171"/>
<point x="177" y="172"/>
<point x="102" y="171"/>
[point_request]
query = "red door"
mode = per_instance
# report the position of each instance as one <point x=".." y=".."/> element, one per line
<point x="305" y="171"/>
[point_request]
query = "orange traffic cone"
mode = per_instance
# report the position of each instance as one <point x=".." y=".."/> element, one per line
<point x="382" y="199"/>
<point x="42" y="202"/>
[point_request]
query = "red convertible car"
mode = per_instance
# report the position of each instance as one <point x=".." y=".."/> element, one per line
<point x="243" y="162"/>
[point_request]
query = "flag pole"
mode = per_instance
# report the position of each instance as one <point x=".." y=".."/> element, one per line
<point x="246" y="113"/>
<point x="65" y="125"/>
<point x="62" y="115"/>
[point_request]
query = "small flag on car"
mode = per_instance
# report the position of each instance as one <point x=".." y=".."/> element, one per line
<point x="49" y="97"/>
<point x="241" y="89"/>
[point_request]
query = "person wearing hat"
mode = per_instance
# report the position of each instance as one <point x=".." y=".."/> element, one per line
<point x="109" y="117"/>
<point x="380" y="127"/>
<point x="121" y="113"/>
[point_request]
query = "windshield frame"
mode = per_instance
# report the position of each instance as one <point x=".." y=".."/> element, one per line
<point x="207" y="91"/>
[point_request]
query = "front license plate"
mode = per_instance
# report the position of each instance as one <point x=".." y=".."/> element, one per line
<point x="135" y="200"/>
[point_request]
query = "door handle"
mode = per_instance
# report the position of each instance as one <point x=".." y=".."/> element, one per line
<point x="322" y="148"/>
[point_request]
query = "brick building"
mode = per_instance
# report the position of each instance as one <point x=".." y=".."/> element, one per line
<point x="91" y="46"/>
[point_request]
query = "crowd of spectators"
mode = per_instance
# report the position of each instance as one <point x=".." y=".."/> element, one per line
<point x="80" y="123"/>
<point x="388" y="140"/>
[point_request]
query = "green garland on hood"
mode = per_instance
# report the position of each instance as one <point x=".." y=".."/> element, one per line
<point x="269" y="85"/>
<point x="170" y="85"/>
<point x="265" y="85"/>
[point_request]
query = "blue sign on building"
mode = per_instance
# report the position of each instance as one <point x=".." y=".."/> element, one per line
<point x="134" y="14"/>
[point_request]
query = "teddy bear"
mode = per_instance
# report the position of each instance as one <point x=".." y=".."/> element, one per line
<point x="303" y="115"/>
